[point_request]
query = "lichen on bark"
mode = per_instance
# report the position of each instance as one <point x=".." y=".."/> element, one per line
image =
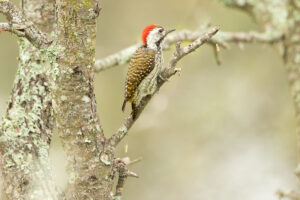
<point x="56" y="81"/>
<point x="74" y="101"/>
<point x="27" y="126"/>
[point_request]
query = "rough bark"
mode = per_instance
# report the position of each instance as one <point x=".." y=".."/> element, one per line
<point x="28" y="123"/>
<point x="56" y="81"/>
<point x="90" y="167"/>
<point x="292" y="59"/>
<point x="21" y="26"/>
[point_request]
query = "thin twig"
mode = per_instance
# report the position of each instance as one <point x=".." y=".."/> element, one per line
<point x="13" y="28"/>
<point x="116" y="59"/>
<point x="124" y="55"/>
<point x="249" y="37"/>
<point x="181" y="52"/>
<point x="222" y="39"/>
<point x="169" y="71"/>
<point x="20" y="26"/>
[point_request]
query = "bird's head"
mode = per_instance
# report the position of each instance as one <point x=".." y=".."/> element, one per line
<point x="153" y="35"/>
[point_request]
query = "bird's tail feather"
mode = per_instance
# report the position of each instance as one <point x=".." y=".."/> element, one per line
<point x="133" y="111"/>
<point x="124" y="105"/>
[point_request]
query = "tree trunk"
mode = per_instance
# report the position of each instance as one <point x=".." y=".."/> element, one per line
<point x="28" y="124"/>
<point x="90" y="167"/>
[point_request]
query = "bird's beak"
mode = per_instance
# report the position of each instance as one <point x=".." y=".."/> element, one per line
<point x="169" y="31"/>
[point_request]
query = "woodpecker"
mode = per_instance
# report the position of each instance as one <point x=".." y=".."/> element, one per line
<point x="144" y="67"/>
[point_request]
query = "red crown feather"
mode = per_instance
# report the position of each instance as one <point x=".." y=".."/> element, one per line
<point x="146" y="32"/>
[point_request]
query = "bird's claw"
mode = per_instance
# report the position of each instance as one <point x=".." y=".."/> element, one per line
<point x="162" y="78"/>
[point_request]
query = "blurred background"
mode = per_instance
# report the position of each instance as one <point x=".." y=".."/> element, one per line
<point x="215" y="132"/>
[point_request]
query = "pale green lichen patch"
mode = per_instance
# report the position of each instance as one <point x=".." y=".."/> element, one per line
<point x="73" y="177"/>
<point x="63" y="98"/>
<point x="295" y="38"/>
<point x="79" y="133"/>
<point x="98" y="128"/>
<point x="25" y="138"/>
<point x="297" y="59"/>
<point x="87" y="140"/>
<point x="85" y="99"/>
<point x="274" y="11"/>
<point x="51" y="54"/>
<point x="105" y="159"/>
<point x="240" y="3"/>
<point x="297" y="86"/>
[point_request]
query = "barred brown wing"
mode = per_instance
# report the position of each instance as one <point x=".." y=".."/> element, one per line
<point x="141" y="64"/>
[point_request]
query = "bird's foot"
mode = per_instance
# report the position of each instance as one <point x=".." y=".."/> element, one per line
<point x="162" y="78"/>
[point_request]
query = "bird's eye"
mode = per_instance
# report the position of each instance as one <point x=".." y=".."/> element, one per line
<point x="160" y="30"/>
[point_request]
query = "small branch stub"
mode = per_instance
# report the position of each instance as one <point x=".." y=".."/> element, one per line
<point x="20" y="26"/>
<point x="124" y="173"/>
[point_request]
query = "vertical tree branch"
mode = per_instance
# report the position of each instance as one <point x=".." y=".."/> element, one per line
<point x="89" y="166"/>
<point x="292" y="58"/>
<point x="281" y="16"/>
<point x="28" y="123"/>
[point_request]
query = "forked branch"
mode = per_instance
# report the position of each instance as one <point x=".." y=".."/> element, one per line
<point x="20" y="26"/>
<point x="13" y="28"/>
